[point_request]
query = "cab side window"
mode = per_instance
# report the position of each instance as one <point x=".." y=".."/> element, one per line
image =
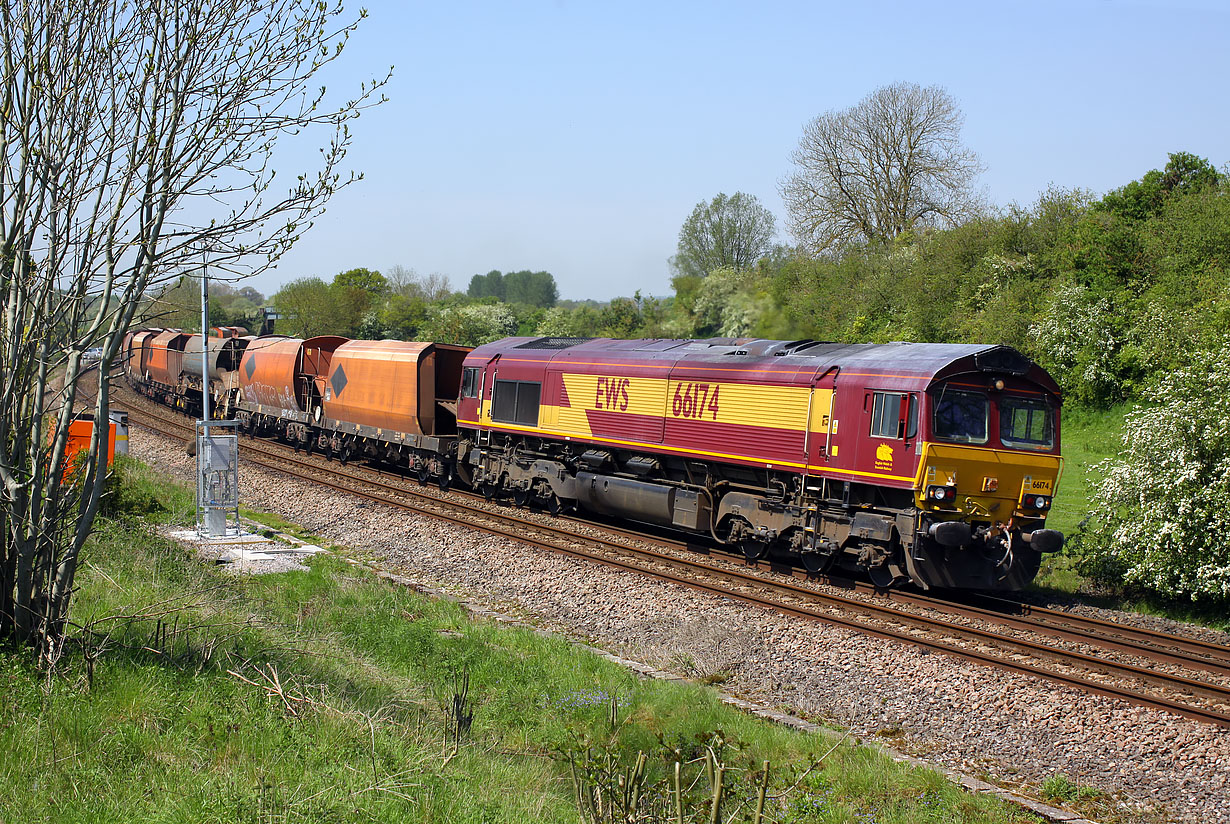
<point x="887" y="418"/>
<point x="469" y="383"/>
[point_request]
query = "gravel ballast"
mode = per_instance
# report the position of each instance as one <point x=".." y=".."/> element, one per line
<point x="1009" y="729"/>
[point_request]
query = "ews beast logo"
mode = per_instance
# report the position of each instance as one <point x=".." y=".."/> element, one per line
<point x="612" y="393"/>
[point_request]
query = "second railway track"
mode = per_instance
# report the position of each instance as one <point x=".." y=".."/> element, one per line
<point x="1092" y="661"/>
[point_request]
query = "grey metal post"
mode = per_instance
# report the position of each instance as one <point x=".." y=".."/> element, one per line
<point x="204" y="340"/>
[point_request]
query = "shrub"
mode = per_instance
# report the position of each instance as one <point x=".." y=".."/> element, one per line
<point x="1160" y="517"/>
<point x="1077" y="341"/>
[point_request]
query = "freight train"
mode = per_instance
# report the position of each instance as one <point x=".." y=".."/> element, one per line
<point x="934" y="464"/>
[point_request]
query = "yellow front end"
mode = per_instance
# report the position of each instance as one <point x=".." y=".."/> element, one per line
<point x="990" y="485"/>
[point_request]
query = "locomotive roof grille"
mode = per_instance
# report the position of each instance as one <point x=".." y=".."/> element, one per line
<point x="1002" y="359"/>
<point x="552" y="343"/>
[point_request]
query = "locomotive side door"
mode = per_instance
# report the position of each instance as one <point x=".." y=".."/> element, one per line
<point x="821" y="423"/>
<point x="486" y="388"/>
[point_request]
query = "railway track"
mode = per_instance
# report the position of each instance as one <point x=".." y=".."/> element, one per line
<point x="1158" y="672"/>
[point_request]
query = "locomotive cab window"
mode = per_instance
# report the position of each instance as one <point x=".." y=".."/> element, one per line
<point x="894" y="415"/>
<point x="961" y="417"/>
<point x="469" y="382"/>
<point x="516" y="402"/>
<point x="1026" y="423"/>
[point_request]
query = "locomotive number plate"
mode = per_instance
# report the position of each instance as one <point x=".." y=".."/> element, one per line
<point x="1041" y="486"/>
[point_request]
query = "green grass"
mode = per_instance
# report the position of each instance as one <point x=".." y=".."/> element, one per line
<point x="163" y="728"/>
<point x="1089" y="437"/>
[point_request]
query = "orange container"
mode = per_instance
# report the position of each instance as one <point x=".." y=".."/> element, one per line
<point x="80" y="432"/>
<point x="279" y="372"/>
<point x="392" y="385"/>
<point x="163" y="356"/>
<point x="134" y="354"/>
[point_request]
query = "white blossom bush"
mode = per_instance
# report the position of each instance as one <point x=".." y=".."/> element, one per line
<point x="471" y="325"/>
<point x="1160" y="517"/>
<point x="1076" y="340"/>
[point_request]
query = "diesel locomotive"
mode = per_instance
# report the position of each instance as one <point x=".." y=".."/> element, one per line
<point x="934" y="464"/>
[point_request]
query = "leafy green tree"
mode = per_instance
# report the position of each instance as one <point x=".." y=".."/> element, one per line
<point x="1184" y="173"/>
<point x="356" y="294"/>
<point x="490" y="285"/>
<point x="403" y="317"/>
<point x="309" y="307"/>
<point x="364" y="280"/>
<point x="726" y="233"/>
<point x="621" y="318"/>
<point x="531" y="288"/>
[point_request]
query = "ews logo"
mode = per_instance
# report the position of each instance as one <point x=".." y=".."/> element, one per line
<point x="612" y="393"/>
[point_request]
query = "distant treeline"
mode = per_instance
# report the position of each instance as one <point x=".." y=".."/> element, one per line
<point x="1103" y="291"/>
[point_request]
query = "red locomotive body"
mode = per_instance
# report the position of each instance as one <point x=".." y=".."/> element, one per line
<point x="830" y="451"/>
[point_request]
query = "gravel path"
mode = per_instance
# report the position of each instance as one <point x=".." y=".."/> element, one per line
<point x="1009" y="729"/>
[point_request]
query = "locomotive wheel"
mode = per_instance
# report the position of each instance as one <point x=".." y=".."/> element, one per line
<point x="520" y="498"/>
<point x="445" y="480"/>
<point x="882" y="577"/>
<point x="554" y="505"/>
<point x="754" y="550"/>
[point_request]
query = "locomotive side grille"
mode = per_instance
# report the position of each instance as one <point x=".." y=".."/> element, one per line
<point x="552" y="343"/>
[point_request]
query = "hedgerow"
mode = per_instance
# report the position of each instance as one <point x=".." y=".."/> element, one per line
<point x="1160" y="518"/>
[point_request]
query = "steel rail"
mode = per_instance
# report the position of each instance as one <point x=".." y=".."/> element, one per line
<point x="278" y="462"/>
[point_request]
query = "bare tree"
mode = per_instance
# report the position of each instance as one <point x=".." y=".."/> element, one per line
<point x="725" y="233"/>
<point x="887" y="165"/>
<point x="137" y="136"/>
<point x="409" y="283"/>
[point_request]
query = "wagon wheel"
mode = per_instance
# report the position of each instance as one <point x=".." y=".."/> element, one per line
<point x="489" y="491"/>
<point x="520" y="498"/>
<point x="815" y="562"/>
<point x="445" y="480"/>
<point x="423" y="474"/>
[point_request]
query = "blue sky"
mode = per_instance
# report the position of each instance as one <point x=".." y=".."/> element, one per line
<point x="576" y="137"/>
